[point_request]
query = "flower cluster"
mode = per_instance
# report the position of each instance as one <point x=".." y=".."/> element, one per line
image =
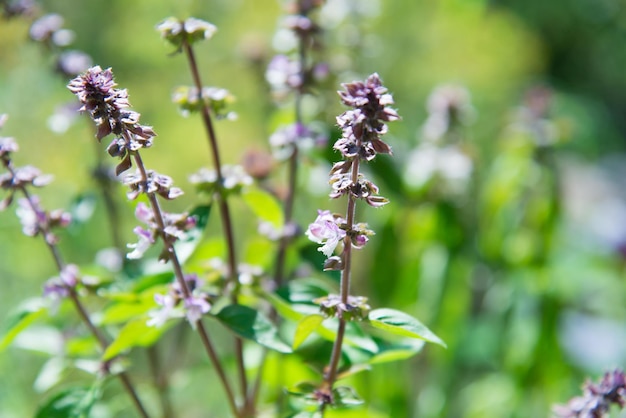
<point x="49" y="30"/>
<point x="234" y="178"/>
<point x="217" y="271"/>
<point x="155" y="183"/>
<point x="178" y="32"/>
<point x="192" y="307"/>
<point x="34" y="219"/>
<point x="597" y="398"/>
<point x="286" y="73"/>
<point x="361" y="127"/>
<point x="286" y="138"/>
<point x="440" y="160"/>
<point x="329" y="229"/>
<point x="58" y="287"/>
<point x="109" y="109"/>
<point x="19" y="8"/>
<point x="173" y="229"/>
<point x="217" y="99"/>
<point x="355" y="309"/>
<point x="448" y="106"/>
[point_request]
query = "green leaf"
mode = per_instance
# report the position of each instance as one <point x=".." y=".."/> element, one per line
<point x="71" y="403"/>
<point x="250" y="324"/>
<point x="264" y="205"/>
<point x="130" y="307"/>
<point x="305" y="290"/>
<point x="344" y="396"/>
<point x="389" y="352"/>
<point x="284" y="308"/>
<point x="400" y="323"/>
<point x="20" y="320"/>
<point x="135" y="334"/>
<point x="305" y="327"/>
<point x="205" y="251"/>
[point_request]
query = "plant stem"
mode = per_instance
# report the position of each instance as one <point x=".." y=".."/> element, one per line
<point x="331" y="375"/>
<point x="160" y="381"/>
<point x="180" y="277"/>
<point x="101" y="176"/>
<point x="73" y="295"/>
<point x="292" y="169"/>
<point x="224" y="210"/>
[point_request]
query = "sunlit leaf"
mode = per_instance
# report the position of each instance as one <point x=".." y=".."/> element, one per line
<point x="135" y="334"/>
<point x="344" y="396"/>
<point x="205" y="251"/>
<point x="251" y="324"/>
<point x="285" y="309"/>
<point x="20" y="320"/>
<point x="305" y="327"/>
<point x="400" y="323"/>
<point x="50" y="374"/>
<point x="395" y="351"/>
<point x="264" y="205"/>
<point x="130" y="308"/>
<point x="71" y="403"/>
<point x="305" y="290"/>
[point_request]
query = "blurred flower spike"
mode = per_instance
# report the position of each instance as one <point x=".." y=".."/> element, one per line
<point x="174" y="227"/>
<point x="597" y="398"/>
<point x="217" y="99"/>
<point x="234" y="180"/>
<point x="58" y="287"/>
<point x="179" y="32"/>
<point x="170" y="306"/>
<point x="449" y="107"/>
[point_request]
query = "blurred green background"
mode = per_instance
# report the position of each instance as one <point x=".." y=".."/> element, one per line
<point x="517" y="264"/>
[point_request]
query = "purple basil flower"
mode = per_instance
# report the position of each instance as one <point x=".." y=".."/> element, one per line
<point x="58" y="287"/>
<point x="195" y="307"/>
<point x="108" y="107"/>
<point x="160" y="316"/>
<point x="283" y="73"/>
<point x="597" y="398"/>
<point x="324" y="230"/>
<point x="45" y="27"/>
<point x="7" y="146"/>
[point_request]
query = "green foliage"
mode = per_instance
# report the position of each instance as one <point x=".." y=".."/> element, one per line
<point x="252" y="325"/>
<point x="402" y="324"/>
<point x="19" y="321"/>
<point x="135" y="333"/>
<point x="510" y="268"/>
<point x="71" y="403"/>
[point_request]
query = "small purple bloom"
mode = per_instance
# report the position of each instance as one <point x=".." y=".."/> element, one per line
<point x="195" y="307"/>
<point x="324" y="230"/>
<point x="160" y="316"/>
<point x="145" y="241"/>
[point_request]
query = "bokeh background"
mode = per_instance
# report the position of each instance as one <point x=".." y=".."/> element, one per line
<point x="506" y="234"/>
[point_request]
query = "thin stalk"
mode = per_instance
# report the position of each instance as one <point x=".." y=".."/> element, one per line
<point x="227" y="223"/>
<point x="180" y="277"/>
<point x="331" y="375"/>
<point x="160" y="381"/>
<point x="292" y="176"/>
<point x="100" y="174"/>
<point x="292" y="170"/>
<point x="73" y="295"/>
